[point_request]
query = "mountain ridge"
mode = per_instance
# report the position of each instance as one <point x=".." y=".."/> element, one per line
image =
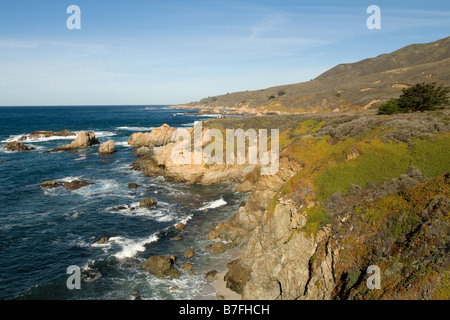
<point x="349" y="86"/>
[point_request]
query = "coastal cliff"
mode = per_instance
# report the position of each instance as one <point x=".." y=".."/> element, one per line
<point x="353" y="190"/>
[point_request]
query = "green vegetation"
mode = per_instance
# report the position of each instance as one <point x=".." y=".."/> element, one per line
<point x="317" y="218"/>
<point x="420" y="97"/>
<point x="281" y="93"/>
<point x="390" y="107"/>
<point x="271" y="97"/>
<point x="380" y="161"/>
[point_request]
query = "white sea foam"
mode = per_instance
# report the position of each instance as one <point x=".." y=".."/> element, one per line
<point x="135" y="128"/>
<point x="100" y="134"/>
<point x="130" y="247"/>
<point x="214" y="204"/>
<point x="41" y="138"/>
<point x="122" y="143"/>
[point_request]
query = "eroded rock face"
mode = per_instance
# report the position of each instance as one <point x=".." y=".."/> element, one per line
<point x="161" y="266"/>
<point x="17" y="146"/>
<point x="107" y="147"/>
<point x="157" y="137"/>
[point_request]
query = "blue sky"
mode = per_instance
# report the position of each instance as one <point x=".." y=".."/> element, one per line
<point x="171" y="52"/>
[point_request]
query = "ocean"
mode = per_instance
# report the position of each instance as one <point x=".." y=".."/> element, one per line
<point x="43" y="232"/>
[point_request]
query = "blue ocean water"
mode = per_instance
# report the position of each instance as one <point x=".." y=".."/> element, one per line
<point x="42" y="232"/>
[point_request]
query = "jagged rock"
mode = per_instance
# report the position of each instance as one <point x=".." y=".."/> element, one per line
<point x="161" y="266"/>
<point x="174" y="288"/>
<point x="173" y="259"/>
<point x="237" y="276"/>
<point x="103" y="240"/>
<point x="147" y="203"/>
<point x="76" y="184"/>
<point x="211" y="275"/>
<point x="187" y="266"/>
<point x="50" y="184"/>
<point x="107" y="147"/>
<point x="189" y="253"/>
<point x="216" y="248"/>
<point x="17" y="146"/>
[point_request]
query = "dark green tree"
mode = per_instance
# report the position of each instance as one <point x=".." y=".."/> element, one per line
<point x="423" y="97"/>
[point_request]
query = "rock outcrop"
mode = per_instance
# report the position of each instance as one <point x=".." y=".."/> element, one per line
<point x="50" y="184"/>
<point x="73" y="185"/>
<point x="76" y="184"/>
<point x="147" y="203"/>
<point x="84" y="139"/>
<point x="17" y="146"/>
<point x="157" y="137"/>
<point x="161" y="266"/>
<point x="107" y="147"/>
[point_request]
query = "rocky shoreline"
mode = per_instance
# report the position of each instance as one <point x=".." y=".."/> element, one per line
<point x="291" y="248"/>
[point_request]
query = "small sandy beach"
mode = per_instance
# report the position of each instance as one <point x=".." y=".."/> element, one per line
<point x="222" y="292"/>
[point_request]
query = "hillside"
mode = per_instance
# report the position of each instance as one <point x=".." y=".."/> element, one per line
<point x="353" y="86"/>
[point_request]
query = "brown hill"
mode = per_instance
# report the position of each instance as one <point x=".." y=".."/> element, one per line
<point x="351" y="86"/>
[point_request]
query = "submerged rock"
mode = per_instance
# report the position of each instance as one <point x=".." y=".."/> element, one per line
<point x="161" y="266"/>
<point x="133" y="185"/>
<point x="17" y="146"/>
<point x="90" y="275"/>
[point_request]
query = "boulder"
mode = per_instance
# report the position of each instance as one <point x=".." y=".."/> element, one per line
<point x="17" y="146"/>
<point x="189" y="253"/>
<point x="180" y="226"/>
<point x="216" y="248"/>
<point x="133" y="185"/>
<point x="211" y="275"/>
<point x="107" y="147"/>
<point x="174" y="288"/>
<point x="76" y="184"/>
<point x="176" y="238"/>
<point x="187" y="266"/>
<point x="161" y="266"/>
<point x="50" y="184"/>
<point x="147" y="203"/>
